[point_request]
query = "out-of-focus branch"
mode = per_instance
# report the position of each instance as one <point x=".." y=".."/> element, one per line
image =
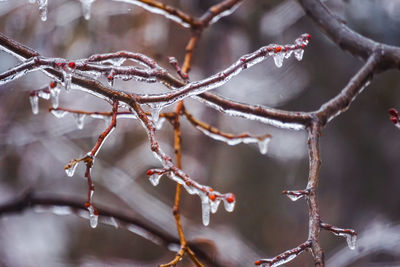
<point x="348" y="39"/>
<point x="357" y="83"/>
<point x="41" y="202"/>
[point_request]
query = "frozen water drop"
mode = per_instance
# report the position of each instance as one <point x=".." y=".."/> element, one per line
<point x="205" y="209"/>
<point x="67" y="80"/>
<point x="44" y="94"/>
<point x="93" y="217"/>
<point x="155" y="114"/>
<point x="351" y="241"/>
<point x="160" y="123"/>
<point x="229" y="205"/>
<point x="42" y="9"/>
<point x="278" y="59"/>
<point x="155" y="178"/>
<point x="54" y="96"/>
<point x="263" y="145"/>
<point x="34" y="99"/>
<point x="294" y="197"/>
<point x="58" y="113"/>
<point x="79" y="120"/>
<point x="71" y="170"/>
<point x="214" y="205"/>
<point x="86" y="8"/>
<point x="298" y="53"/>
<point x="288" y="53"/>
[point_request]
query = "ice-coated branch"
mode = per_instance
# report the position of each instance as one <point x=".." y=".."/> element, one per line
<point x="216" y="12"/>
<point x="284" y="257"/>
<point x="231" y="139"/>
<point x="88" y="159"/>
<point x="278" y="52"/>
<point x="285" y="119"/>
<point x="295" y="195"/>
<point x="312" y="199"/>
<point x="210" y="198"/>
<point x="68" y="205"/>
<point x="349" y="234"/>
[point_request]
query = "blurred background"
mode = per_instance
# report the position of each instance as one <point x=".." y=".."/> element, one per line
<point x="359" y="186"/>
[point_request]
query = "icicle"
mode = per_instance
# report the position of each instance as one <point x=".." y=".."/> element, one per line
<point x="298" y="53"/>
<point x="214" y="205"/>
<point x="67" y="80"/>
<point x="54" y="94"/>
<point x="155" y="112"/>
<point x="79" y="120"/>
<point x="42" y="9"/>
<point x="263" y="145"/>
<point x="44" y="94"/>
<point x="34" y="99"/>
<point x="71" y="170"/>
<point x="114" y="222"/>
<point x="229" y="202"/>
<point x="86" y="7"/>
<point x="58" y="113"/>
<point x="155" y="178"/>
<point x="351" y="241"/>
<point x="288" y="53"/>
<point x="278" y="59"/>
<point x="205" y="209"/>
<point x="294" y="197"/>
<point x="160" y="123"/>
<point x="93" y="217"/>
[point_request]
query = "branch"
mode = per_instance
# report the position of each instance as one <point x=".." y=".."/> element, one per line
<point x="30" y="200"/>
<point x="340" y="103"/>
<point x="230" y="139"/>
<point x="210" y="199"/>
<point x="312" y="199"/>
<point x="348" y="39"/>
<point x="285" y="256"/>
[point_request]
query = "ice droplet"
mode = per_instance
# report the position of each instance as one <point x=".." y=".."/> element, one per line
<point x="278" y="59"/>
<point x="215" y="205"/>
<point x="93" y="217"/>
<point x="160" y="123"/>
<point x="229" y="206"/>
<point x="155" y="178"/>
<point x="205" y="209"/>
<point x="58" y="113"/>
<point x="71" y="170"/>
<point x="67" y="80"/>
<point x="263" y="145"/>
<point x="294" y="197"/>
<point x="155" y="113"/>
<point x="34" y="99"/>
<point x="288" y="53"/>
<point x="86" y="7"/>
<point x="79" y="120"/>
<point x="42" y="9"/>
<point x="298" y="53"/>
<point x="54" y="94"/>
<point x="351" y="239"/>
<point x="44" y="94"/>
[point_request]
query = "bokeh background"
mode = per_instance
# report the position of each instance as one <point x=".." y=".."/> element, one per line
<point x="359" y="186"/>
